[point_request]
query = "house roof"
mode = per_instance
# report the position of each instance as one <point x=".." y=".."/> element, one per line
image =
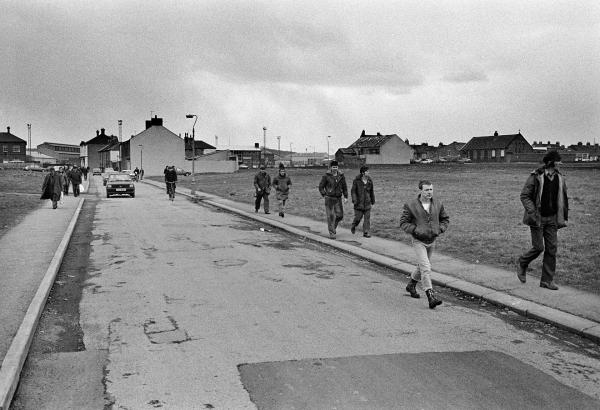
<point x="8" y="137"/>
<point x="203" y="145"/>
<point x="491" y="142"/>
<point x="371" y="141"/>
<point x="346" y="150"/>
<point x="109" y="147"/>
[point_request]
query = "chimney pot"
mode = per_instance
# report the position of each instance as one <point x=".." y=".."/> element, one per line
<point x="97" y="133"/>
<point x="102" y="131"/>
<point x="8" y="128"/>
<point x="495" y="133"/>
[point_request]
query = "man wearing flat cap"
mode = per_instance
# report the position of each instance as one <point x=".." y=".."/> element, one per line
<point x="546" y="204"/>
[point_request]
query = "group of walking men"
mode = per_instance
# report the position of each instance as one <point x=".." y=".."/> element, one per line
<point x="57" y="183"/>
<point x="544" y="198"/>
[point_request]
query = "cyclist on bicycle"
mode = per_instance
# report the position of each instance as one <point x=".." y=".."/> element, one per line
<point x="170" y="179"/>
<point x="136" y="174"/>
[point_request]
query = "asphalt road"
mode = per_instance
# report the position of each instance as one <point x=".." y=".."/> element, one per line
<point x="182" y="306"/>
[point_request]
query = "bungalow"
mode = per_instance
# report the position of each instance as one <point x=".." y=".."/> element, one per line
<point x="496" y="148"/>
<point x="13" y="147"/>
<point x="376" y="149"/>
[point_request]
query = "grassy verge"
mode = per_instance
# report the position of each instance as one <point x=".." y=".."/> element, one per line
<point x="19" y="194"/>
<point x="482" y="201"/>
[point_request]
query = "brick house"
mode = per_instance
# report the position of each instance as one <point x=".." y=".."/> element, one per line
<point x="88" y="152"/>
<point x="376" y="149"/>
<point x="496" y="148"/>
<point x="12" y="148"/>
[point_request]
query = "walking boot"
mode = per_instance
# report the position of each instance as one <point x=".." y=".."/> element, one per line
<point x="433" y="301"/>
<point x="412" y="289"/>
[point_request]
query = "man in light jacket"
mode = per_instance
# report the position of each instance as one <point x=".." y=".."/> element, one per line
<point x="424" y="219"/>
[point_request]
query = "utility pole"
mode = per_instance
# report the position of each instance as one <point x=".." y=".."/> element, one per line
<point x="265" y="146"/>
<point x="279" y="146"/>
<point x="29" y="139"/>
<point x="120" y="122"/>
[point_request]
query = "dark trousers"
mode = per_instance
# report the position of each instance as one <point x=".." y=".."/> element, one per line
<point x="543" y="239"/>
<point x="66" y="188"/>
<point x="75" y="189"/>
<point x="262" y="195"/>
<point x="334" y="211"/>
<point x="358" y="215"/>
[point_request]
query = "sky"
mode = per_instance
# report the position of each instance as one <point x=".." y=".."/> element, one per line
<point x="314" y="73"/>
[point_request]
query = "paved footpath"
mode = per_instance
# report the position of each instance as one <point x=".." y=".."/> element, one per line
<point x="569" y="308"/>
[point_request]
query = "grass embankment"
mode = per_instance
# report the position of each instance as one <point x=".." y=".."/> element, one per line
<point x="482" y="201"/>
<point x="19" y="194"/>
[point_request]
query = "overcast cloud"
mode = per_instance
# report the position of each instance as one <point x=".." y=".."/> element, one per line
<point x="438" y="71"/>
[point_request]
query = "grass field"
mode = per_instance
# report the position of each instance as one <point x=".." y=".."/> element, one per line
<point x="482" y="201"/>
<point x="19" y="194"/>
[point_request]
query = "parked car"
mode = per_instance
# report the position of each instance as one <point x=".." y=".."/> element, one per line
<point x="119" y="184"/>
<point x="426" y="161"/>
<point x="181" y="171"/>
<point x="243" y="166"/>
<point x="36" y="168"/>
<point x="464" y="160"/>
<point x="96" y="171"/>
<point x="107" y="174"/>
<point x="128" y="172"/>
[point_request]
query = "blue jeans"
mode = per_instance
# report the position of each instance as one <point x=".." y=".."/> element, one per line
<point x="265" y="197"/>
<point x="334" y="211"/>
<point x="543" y="239"/>
<point x="422" y="273"/>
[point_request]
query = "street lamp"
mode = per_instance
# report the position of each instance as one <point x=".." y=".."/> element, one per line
<point x="193" y="146"/>
<point x="265" y="146"/>
<point x="141" y="157"/>
<point x="279" y="146"/>
<point x="328" y="137"/>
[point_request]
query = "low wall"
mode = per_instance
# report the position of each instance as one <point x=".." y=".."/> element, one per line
<point x="208" y="166"/>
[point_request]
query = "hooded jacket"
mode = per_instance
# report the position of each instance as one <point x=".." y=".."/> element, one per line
<point x="282" y="183"/>
<point x="334" y="186"/>
<point x="363" y="196"/>
<point x="422" y="225"/>
<point x="531" y="198"/>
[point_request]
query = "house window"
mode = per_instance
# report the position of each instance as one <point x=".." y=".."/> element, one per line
<point x="16" y="148"/>
<point x="493" y="153"/>
<point x="501" y="153"/>
<point x="5" y="149"/>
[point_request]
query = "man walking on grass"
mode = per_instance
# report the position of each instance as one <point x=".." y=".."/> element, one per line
<point x="332" y="187"/>
<point x="425" y="219"/>
<point x="546" y="204"/>
<point x="363" y="199"/>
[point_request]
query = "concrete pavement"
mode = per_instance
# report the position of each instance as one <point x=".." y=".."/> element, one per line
<point x="569" y="308"/>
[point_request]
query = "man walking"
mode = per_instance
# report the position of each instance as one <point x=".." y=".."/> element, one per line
<point x="425" y="219"/>
<point x="282" y="188"/>
<point x="363" y="198"/>
<point x="332" y="187"/>
<point x="52" y="187"/>
<point x="75" y="178"/>
<point x="262" y="186"/>
<point x="546" y="204"/>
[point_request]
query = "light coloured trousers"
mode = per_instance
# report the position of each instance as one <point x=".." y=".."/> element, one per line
<point x="422" y="273"/>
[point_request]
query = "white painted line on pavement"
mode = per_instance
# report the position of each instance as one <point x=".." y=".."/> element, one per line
<point x="19" y="348"/>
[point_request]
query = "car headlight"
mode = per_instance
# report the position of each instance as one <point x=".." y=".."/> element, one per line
<point x="131" y="185"/>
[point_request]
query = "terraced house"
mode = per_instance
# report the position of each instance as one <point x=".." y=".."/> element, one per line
<point x="12" y="148"/>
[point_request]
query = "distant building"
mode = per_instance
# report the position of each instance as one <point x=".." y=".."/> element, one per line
<point x="156" y="147"/>
<point x="375" y="149"/>
<point x="585" y="152"/>
<point x="62" y="153"/>
<point x="12" y="147"/>
<point x="88" y="150"/>
<point x="201" y="147"/>
<point x="110" y="155"/>
<point x="543" y="147"/>
<point x="449" y="152"/>
<point x="249" y="155"/>
<point x="424" y="151"/>
<point x="496" y="148"/>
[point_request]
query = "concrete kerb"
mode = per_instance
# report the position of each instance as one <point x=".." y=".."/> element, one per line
<point x="567" y="321"/>
<point x="19" y="348"/>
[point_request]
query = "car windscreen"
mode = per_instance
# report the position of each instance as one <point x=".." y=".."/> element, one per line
<point x="118" y="177"/>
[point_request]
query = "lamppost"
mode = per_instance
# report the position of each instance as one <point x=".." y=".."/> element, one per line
<point x="328" y="137"/>
<point x="265" y="146"/>
<point x="279" y="146"/>
<point x="193" y="146"/>
<point x="29" y="140"/>
<point x="141" y="157"/>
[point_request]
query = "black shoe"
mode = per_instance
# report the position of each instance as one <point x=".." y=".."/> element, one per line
<point x="521" y="273"/>
<point x="367" y="235"/>
<point x="433" y="301"/>
<point x="267" y="212"/>
<point x="548" y="285"/>
<point x="256" y="211"/>
<point x="353" y="229"/>
<point x="281" y="214"/>
<point x="412" y="289"/>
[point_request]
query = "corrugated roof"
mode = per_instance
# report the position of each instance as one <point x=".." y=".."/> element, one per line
<point x="490" y="142"/>
<point x="8" y="137"/>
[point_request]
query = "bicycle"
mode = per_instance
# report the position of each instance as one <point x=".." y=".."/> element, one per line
<point x="171" y="190"/>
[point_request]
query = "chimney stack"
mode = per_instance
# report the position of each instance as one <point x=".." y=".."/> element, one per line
<point x="8" y="128"/>
<point x="102" y="131"/>
<point x="97" y="133"/>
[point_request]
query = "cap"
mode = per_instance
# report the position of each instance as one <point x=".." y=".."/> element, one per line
<point x="334" y="163"/>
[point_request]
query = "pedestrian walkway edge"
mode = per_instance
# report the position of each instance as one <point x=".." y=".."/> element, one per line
<point x="12" y="364"/>
<point x="573" y="323"/>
